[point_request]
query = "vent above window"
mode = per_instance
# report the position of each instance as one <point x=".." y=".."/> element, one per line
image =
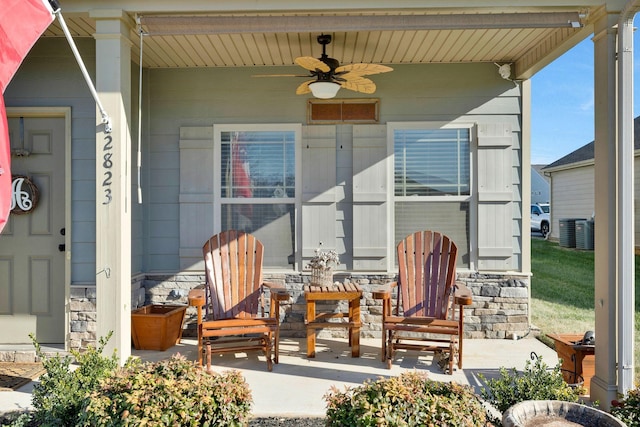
<point x="343" y="111"/>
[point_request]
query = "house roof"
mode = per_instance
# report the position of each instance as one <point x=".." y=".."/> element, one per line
<point x="244" y="33"/>
<point x="586" y="152"/>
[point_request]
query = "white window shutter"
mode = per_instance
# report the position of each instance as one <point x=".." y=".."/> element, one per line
<point x="495" y="197"/>
<point x="318" y="189"/>
<point x="196" y="194"/>
<point x="370" y="206"/>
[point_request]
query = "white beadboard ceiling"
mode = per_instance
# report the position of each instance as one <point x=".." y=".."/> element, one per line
<point x="529" y="39"/>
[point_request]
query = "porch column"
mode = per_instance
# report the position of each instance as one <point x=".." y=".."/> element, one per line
<point x="604" y="383"/>
<point x="113" y="181"/>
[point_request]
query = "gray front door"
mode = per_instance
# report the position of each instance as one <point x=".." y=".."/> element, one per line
<point x="32" y="264"/>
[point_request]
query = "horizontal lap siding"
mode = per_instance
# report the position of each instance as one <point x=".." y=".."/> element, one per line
<point x="204" y="97"/>
<point x="196" y="194"/>
<point x="572" y="196"/>
<point x="437" y="92"/>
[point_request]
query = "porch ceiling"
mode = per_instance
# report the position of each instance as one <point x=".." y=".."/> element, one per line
<point x="528" y="39"/>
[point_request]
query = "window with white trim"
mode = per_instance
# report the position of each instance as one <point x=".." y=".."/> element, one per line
<point x="432" y="182"/>
<point x="256" y="185"/>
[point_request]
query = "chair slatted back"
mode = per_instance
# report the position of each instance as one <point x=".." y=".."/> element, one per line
<point x="233" y="269"/>
<point x="427" y="268"/>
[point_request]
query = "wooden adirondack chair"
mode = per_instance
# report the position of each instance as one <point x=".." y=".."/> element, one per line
<point x="234" y="318"/>
<point x="423" y="318"/>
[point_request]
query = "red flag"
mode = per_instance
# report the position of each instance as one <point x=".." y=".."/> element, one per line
<point x="22" y="22"/>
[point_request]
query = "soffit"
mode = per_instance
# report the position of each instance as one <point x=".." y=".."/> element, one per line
<point x="529" y="40"/>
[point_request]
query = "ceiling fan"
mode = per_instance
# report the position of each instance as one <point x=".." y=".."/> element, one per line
<point x="328" y="76"/>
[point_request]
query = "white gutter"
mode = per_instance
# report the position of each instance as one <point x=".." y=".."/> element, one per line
<point x="626" y="294"/>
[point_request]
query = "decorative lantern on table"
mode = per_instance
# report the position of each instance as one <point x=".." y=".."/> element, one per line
<point x="321" y="266"/>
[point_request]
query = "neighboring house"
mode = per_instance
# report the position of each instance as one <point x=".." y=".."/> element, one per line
<point x="573" y="185"/>
<point x="442" y="143"/>
<point x="540" y="191"/>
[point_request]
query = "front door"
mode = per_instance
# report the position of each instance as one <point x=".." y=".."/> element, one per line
<point x="32" y="257"/>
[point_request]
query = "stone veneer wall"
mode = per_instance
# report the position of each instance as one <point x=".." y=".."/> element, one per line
<point x="500" y="309"/>
<point x="83" y="317"/>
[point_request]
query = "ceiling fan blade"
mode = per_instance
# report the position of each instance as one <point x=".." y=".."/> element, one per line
<point x="280" y="75"/>
<point x="363" y="69"/>
<point x="304" y="88"/>
<point x="312" y="64"/>
<point x="362" y="85"/>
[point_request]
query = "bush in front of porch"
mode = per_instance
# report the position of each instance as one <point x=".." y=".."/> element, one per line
<point x="409" y="399"/>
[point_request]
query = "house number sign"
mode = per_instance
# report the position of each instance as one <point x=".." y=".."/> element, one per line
<point x="107" y="165"/>
<point x="24" y="195"/>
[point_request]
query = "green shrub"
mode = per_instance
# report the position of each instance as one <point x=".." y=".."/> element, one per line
<point x="536" y="382"/>
<point x="173" y="392"/>
<point x="60" y="393"/>
<point x="408" y="400"/>
<point x="628" y="409"/>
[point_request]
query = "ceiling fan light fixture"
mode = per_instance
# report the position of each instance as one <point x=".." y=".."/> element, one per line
<point x="324" y="90"/>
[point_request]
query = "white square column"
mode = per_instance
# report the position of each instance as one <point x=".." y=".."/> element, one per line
<point x="113" y="181"/>
<point x="604" y="383"/>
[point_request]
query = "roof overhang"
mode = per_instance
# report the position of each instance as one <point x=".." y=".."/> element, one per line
<point x="529" y="37"/>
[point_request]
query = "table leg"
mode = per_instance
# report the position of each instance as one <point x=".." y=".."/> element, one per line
<point x="350" y="334"/>
<point x="311" y="331"/>
<point x="354" y="336"/>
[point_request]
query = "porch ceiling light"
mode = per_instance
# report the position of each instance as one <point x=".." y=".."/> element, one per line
<point x="324" y="90"/>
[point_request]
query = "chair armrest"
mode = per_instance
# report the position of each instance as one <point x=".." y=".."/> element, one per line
<point x="384" y="292"/>
<point x="462" y="295"/>
<point x="278" y="292"/>
<point x="196" y="297"/>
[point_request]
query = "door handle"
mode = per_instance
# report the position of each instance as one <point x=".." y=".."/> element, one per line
<point x="62" y="247"/>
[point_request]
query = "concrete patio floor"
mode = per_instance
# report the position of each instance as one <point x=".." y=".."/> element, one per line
<point x="296" y="386"/>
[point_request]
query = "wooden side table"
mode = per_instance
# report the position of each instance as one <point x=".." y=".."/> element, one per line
<point x="350" y="292"/>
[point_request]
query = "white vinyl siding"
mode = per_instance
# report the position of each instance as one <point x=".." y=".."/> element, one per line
<point x="572" y="196"/>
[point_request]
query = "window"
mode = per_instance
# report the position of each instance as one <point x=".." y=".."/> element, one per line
<point x="256" y="186"/>
<point x="432" y="182"/>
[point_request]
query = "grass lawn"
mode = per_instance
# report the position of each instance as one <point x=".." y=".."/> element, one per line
<point x="562" y="292"/>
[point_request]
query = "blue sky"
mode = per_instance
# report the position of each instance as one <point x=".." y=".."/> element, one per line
<point x="562" y="102"/>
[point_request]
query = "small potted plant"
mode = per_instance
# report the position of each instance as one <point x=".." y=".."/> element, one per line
<point x="321" y="266"/>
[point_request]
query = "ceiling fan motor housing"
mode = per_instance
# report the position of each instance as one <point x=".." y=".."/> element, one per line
<point x="324" y="39"/>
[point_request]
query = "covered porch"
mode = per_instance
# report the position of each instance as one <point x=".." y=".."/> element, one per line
<point x="195" y="54"/>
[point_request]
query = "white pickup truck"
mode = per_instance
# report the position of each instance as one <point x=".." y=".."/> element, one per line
<point x="540" y="218"/>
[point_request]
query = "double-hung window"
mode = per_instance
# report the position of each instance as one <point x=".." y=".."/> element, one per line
<point x="432" y="181"/>
<point x="256" y="183"/>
